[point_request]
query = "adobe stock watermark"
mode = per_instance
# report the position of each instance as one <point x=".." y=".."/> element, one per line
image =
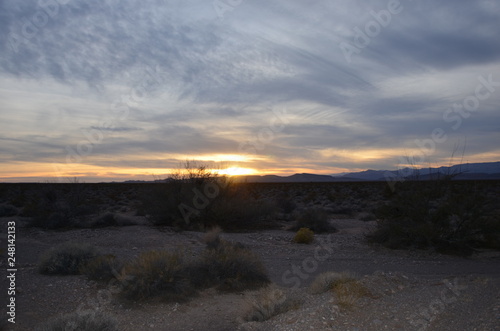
<point x="454" y="117"/>
<point x="363" y="36"/>
<point x="221" y="7"/>
<point x="119" y="110"/>
<point x="32" y="25"/>
<point x="266" y="135"/>
<point x="200" y="200"/>
<point x="422" y="319"/>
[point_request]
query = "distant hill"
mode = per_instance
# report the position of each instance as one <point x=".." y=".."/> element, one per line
<point x="297" y="178"/>
<point x="490" y="170"/>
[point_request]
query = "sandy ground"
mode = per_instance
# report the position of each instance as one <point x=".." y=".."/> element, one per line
<point x="410" y="290"/>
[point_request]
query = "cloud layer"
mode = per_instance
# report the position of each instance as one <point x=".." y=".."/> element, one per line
<point x="124" y="88"/>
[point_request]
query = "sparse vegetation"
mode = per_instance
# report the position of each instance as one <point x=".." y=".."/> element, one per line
<point x="228" y="267"/>
<point x="7" y="210"/>
<point x="156" y="274"/>
<point x="197" y="198"/>
<point x="315" y="219"/>
<point x="102" y="267"/>
<point x="451" y="217"/>
<point x="66" y="259"/>
<point x="344" y="285"/>
<point x="304" y="236"/>
<point x="270" y="302"/>
<point x="81" y="321"/>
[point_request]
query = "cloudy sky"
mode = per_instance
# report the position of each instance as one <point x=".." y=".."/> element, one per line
<point x="113" y="90"/>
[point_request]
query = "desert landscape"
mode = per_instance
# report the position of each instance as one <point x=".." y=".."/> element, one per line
<point x="343" y="278"/>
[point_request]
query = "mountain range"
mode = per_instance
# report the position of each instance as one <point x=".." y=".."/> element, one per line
<point x="488" y="170"/>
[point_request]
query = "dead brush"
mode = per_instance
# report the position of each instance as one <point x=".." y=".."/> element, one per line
<point x="156" y="274"/>
<point x="269" y="302"/>
<point x="345" y="285"/>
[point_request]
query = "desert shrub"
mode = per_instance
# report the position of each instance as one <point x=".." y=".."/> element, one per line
<point x="345" y="285"/>
<point x="111" y="219"/>
<point x="66" y="259"/>
<point x="201" y="199"/>
<point x="450" y="217"/>
<point x="326" y="281"/>
<point x="156" y="274"/>
<point x="304" y="236"/>
<point x="228" y="267"/>
<point x="81" y="321"/>
<point x="102" y="267"/>
<point x="55" y="206"/>
<point x="315" y="219"/>
<point x="7" y="210"/>
<point x="270" y="302"/>
<point x="286" y="204"/>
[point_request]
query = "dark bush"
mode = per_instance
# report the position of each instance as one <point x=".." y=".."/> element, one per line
<point x="228" y="267"/>
<point x="156" y="274"/>
<point x="315" y="219"/>
<point x="451" y="217"/>
<point x="7" y="210"/>
<point x="66" y="259"/>
<point x="102" y="267"/>
<point x="202" y="200"/>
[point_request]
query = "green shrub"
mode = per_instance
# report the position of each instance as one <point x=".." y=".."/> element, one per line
<point x="270" y="302"/>
<point x="156" y="274"/>
<point x="228" y="267"/>
<point x="103" y="267"/>
<point x="304" y="236"/>
<point x="81" y="321"/>
<point x="315" y="219"/>
<point x="66" y="259"/>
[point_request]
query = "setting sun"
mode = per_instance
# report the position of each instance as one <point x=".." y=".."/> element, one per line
<point x="237" y="171"/>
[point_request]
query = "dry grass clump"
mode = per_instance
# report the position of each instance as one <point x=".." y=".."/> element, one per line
<point x="81" y="321"/>
<point x="304" y="236"/>
<point x="228" y="267"/>
<point x="270" y="302"/>
<point x="66" y="259"/>
<point x="345" y="285"/>
<point x="156" y="274"/>
<point x="103" y="267"/>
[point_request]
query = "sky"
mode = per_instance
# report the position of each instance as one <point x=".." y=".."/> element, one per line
<point x="131" y="90"/>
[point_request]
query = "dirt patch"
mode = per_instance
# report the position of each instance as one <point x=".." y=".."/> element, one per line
<point x="409" y="290"/>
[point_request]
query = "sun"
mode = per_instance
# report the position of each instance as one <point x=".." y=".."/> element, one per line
<point x="237" y="171"/>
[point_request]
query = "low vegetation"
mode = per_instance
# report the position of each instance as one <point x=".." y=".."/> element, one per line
<point x="450" y="217"/>
<point x="316" y="219"/>
<point x="102" y="267"/>
<point x="66" y="259"/>
<point x="228" y="267"/>
<point x="81" y="321"/>
<point x="171" y="276"/>
<point x="344" y="285"/>
<point x="304" y="236"/>
<point x="198" y="199"/>
<point x="156" y="274"/>
<point x="268" y="303"/>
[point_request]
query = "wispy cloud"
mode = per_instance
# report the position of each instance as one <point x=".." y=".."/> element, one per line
<point x="190" y="82"/>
